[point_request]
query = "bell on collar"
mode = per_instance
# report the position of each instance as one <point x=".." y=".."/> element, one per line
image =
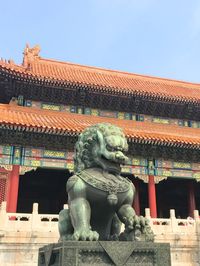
<point x="112" y="199"/>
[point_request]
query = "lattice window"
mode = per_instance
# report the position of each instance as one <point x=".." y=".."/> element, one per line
<point x="3" y="187"/>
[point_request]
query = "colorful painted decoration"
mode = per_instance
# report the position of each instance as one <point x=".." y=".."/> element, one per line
<point x="112" y="114"/>
<point x="35" y="157"/>
<point x="52" y="107"/>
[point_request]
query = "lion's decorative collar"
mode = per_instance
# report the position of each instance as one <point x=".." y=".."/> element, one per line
<point x="104" y="184"/>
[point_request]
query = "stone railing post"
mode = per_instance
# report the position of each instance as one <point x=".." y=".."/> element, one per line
<point x="173" y="221"/>
<point x="35" y="218"/>
<point x="196" y="215"/>
<point x="65" y="206"/>
<point x="197" y="224"/>
<point x="3" y="216"/>
<point x="197" y="221"/>
<point x="148" y="216"/>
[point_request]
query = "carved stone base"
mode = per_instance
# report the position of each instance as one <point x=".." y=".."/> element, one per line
<point x="103" y="253"/>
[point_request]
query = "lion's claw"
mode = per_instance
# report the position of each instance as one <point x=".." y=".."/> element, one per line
<point x="137" y="228"/>
<point x="85" y="235"/>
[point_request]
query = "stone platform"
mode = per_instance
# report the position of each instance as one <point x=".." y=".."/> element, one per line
<point x="103" y="253"/>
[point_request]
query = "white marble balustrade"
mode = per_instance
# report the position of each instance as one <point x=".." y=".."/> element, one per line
<point x="27" y="222"/>
<point x="21" y="234"/>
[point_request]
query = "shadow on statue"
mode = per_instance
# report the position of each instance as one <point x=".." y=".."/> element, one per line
<point x="100" y="201"/>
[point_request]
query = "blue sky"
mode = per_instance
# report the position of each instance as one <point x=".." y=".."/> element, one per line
<point x="153" y="37"/>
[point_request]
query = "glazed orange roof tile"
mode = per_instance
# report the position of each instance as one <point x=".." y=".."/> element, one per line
<point x="59" y="123"/>
<point x="35" y="67"/>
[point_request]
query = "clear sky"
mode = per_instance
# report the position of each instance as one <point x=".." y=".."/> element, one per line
<point x="153" y="37"/>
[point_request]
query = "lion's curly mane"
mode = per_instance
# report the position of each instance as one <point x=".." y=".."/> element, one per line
<point x="87" y="139"/>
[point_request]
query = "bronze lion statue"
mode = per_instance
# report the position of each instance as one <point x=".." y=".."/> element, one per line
<point x="99" y="198"/>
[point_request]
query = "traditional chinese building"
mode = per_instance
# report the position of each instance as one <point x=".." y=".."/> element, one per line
<point x="44" y="106"/>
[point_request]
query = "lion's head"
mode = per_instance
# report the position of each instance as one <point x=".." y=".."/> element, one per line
<point x="101" y="145"/>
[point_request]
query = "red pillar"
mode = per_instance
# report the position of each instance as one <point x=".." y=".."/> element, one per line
<point x="13" y="189"/>
<point x="136" y="202"/>
<point x="191" y="199"/>
<point x="8" y="190"/>
<point x="3" y="184"/>
<point x="152" y="197"/>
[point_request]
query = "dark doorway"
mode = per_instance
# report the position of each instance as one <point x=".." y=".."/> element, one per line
<point x="47" y="187"/>
<point x="172" y="194"/>
<point x="143" y="195"/>
<point x="197" y="194"/>
<point x="143" y="192"/>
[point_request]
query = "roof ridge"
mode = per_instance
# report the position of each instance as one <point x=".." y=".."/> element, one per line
<point x="10" y="63"/>
<point x="114" y="71"/>
<point x="114" y="81"/>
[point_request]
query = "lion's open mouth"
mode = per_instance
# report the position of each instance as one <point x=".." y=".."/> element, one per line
<point x="110" y="161"/>
<point x="115" y="161"/>
<point x="110" y="165"/>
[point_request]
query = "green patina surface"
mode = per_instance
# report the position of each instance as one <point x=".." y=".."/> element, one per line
<point x="99" y="198"/>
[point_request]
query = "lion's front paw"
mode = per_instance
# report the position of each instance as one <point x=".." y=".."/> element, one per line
<point x="85" y="235"/>
<point x="135" y="222"/>
<point x="137" y="228"/>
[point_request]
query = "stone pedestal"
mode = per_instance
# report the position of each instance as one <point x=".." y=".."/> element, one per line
<point x="103" y="253"/>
